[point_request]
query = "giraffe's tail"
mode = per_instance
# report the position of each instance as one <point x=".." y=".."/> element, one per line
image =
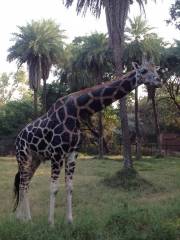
<point x="16" y="190"/>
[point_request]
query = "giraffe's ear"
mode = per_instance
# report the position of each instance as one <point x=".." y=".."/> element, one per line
<point x="135" y="65"/>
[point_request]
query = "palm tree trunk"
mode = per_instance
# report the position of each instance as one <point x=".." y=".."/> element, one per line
<point x="101" y="130"/>
<point x="116" y="15"/>
<point x="100" y="123"/>
<point x="128" y="164"/>
<point x="138" y="135"/>
<point x="35" y="103"/>
<point x="157" y="128"/>
<point x="96" y="135"/>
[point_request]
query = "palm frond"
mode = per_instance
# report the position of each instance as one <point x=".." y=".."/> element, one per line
<point x="95" y="6"/>
<point x="40" y="44"/>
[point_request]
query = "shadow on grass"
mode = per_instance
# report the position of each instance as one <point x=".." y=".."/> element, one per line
<point x="119" y="158"/>
<point x="128" y="179"/>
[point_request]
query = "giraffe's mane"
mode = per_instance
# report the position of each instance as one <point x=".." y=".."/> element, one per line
<point x="87" y="90"/>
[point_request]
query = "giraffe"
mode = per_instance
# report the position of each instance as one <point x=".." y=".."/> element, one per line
<point x="56" y="136"/>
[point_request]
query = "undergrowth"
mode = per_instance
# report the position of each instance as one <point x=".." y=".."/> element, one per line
<point x="141" y="204"/>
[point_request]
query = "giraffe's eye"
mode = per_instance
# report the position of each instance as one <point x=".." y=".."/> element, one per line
<point x="144" y="71"/>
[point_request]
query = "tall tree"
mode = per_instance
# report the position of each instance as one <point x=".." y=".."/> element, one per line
<point x="91" y="59"/>
<point x="137" y="29"/>
<point x="141" y="43"/>
<point x="170" y="61"/>
<point x="135" y="33"/>
<point x="116" y="15"/>
<point x="40" y="45"/>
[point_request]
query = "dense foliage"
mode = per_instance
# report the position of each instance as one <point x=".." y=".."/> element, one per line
<point x="89" y="61"/>
<point x="174" y="14"/>
<point x="14" y="115"/>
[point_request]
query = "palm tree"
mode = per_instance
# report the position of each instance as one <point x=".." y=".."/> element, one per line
<point x="137" y="29"/>
<point x="40" y="45"/>
<point x="116" y="15"/>
<point x="154" y="47"/>
<point x="95" y="62"/>
<point x="170" y="60"/>
<point x="134" y="51"/>
<point x="135" y="34"/>
<point x="142" y="44"/>
<point x="91" y="60"/>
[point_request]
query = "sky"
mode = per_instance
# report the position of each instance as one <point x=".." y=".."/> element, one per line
<point x="19" y="12"/>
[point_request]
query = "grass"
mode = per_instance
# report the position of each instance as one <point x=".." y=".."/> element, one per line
<point x="106" y="205"/>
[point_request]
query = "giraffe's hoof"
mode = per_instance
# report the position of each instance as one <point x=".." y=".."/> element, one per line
<point x="70" y="220"/>
<point x="51" y="222"/>
<point x="23" y="216"/>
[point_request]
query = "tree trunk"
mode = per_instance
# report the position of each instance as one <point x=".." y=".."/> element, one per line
<point x="100" y="123"/>
<point x="96" y="135"/>
<point x="35" y="103"/>
<point x="116" y="15"/>
<point x="125" y="135"/>
<point x="138" y="135"/>
<point x="44" y="96"/>
<point x="157" y="128"/>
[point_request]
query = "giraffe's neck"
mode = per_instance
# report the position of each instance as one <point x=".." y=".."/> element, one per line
<point x="97" y="98"/>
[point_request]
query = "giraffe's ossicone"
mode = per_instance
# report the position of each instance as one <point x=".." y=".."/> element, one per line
<point x="56" y="136"/>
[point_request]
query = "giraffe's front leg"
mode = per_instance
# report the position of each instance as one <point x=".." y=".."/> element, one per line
<point x="54" y="186"/>
<point x="69" y="171"/>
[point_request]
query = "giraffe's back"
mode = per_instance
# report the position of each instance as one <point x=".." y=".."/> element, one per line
<point x="55" y="133"/>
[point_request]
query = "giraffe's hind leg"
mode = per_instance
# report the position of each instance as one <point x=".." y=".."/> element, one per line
<point x="26" y="170"/>
<point x="56" y="166"/>
<point x="23" y="209"/>
<point x="69" y="171"/>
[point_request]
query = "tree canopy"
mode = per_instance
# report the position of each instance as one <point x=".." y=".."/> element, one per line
<point x="40" y="45"/>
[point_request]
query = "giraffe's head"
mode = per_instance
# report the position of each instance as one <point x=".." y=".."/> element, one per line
<point x="147" y="74"/>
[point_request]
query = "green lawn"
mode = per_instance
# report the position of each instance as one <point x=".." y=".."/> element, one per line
<point x="105" y="206"/>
